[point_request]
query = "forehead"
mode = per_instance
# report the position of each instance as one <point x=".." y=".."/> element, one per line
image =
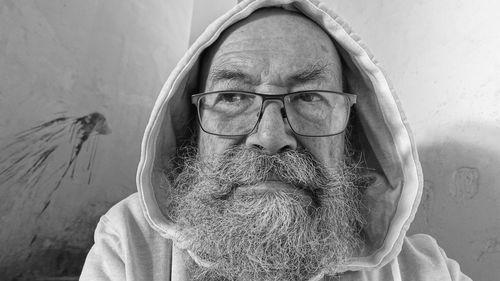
<point x="271" y="41"/>
<point x="271" y="27"/>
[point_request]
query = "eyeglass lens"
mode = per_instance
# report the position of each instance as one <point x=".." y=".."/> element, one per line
<point x="308" y="113"/>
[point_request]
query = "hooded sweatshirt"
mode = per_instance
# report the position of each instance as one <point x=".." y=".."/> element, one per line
<point x="136" y="240"/>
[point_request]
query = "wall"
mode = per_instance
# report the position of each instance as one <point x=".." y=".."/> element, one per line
<point x="204" y="13"/>
<point x="442" y="58"/>
<point x="88" y="73"/>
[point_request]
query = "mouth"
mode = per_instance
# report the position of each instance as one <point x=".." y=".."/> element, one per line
<point x="271" y="185"/>
<point x="272" y="177"/>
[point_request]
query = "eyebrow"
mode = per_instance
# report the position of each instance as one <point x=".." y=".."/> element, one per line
<point x="312" y="72"/>
<point x="223" y="74"/>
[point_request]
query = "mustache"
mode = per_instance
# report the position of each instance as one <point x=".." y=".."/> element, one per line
<point x="245" y="166"/>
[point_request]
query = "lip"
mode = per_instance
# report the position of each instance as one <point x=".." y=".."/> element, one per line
<point x="272" y="177"/>
<point x="272" y="185"/>
<point x="269" y="186"/>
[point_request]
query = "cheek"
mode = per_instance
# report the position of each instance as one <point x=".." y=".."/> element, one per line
<point x="209" y="144"/>
<point x="328" y="150"/>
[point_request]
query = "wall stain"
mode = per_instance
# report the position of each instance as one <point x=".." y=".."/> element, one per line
<point x="61" y="255"/>
<point x="465" y="183"/>
<point x="427" y="200"/>
<point x="30" y="159"/>
<point x="492" y="246"/>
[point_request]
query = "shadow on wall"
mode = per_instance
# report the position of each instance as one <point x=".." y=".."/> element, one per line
<point x="461" y="199"/>
<point x="33" y="165"/>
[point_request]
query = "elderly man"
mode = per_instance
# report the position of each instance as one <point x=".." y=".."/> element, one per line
<point x="275" y="151"/>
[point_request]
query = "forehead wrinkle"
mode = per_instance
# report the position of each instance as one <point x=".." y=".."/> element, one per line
<point x="294" y="51"/>
<point x="317" y="71"/>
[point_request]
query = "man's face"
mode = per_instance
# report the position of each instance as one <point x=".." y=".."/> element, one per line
<point x="270" y="205"/>
<point x="274" y="52"/>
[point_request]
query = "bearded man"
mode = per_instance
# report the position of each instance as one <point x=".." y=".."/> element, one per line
<point x="275" y="151"/>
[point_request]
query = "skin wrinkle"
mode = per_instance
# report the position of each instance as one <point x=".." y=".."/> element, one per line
<point x="316" y="71"/>
<point x="233" y="77"/>
<point x="254" y="229"/>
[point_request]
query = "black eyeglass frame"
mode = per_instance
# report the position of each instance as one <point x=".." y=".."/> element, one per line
<point x="195" y="99"/>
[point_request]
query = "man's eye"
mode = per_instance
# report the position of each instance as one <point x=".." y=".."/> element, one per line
<point x="231" y="98"/>
<point x="230" y="102"/>
<point x="307" y="97"/>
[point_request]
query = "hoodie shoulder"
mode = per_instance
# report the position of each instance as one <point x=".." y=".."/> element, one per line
<point x="421" y="258"/>
<point x="127" y="213"/>
<point x="126" y="247"/>
<point x="127" y="219"/>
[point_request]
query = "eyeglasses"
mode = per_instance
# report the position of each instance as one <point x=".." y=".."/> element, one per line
<point x="309" y="113"/>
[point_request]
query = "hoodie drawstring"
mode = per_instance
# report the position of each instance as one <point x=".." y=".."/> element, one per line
<point x="396" y="273"/>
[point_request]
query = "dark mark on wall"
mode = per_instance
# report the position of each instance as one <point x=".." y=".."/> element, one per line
<point x="30" y="159"/>
<point x="427" y="200"/>
<point x="465" y="183"/>
<point x="492" y="247"/>
<point x="33" y="239"/>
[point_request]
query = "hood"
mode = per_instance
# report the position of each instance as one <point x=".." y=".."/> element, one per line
<point x="387" y="143"/>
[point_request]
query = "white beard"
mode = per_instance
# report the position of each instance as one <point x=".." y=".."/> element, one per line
<point x="268" y="235"/>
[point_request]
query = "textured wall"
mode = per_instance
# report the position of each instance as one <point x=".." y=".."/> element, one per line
<point x="87" y="74"/>
<point x="205" y="12"/>
<point x="443" y="60"/>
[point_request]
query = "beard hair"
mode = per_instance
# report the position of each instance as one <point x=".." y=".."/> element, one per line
<point x="270" y="235"/>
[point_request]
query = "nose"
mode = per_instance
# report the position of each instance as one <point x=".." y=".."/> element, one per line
<point x="272" y="134"/>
